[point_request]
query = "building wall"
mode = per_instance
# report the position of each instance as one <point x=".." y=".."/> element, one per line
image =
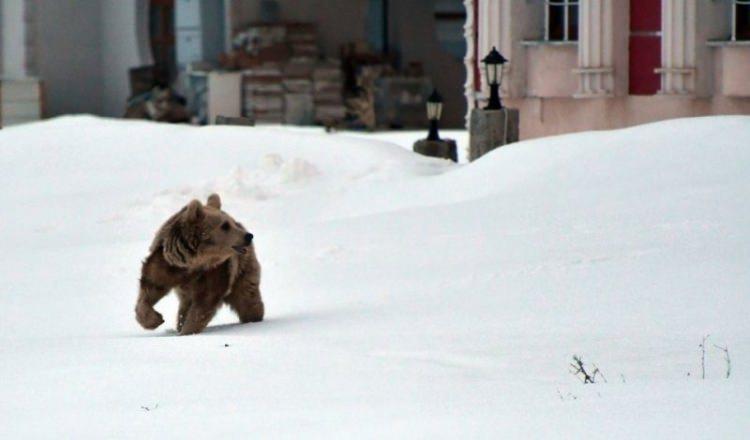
<point x="551" y="70"/>
<point x="412" y="34"/>
<point x="13" y="39"/>
<point x="552" y="116"/>
<point x="339" y="21"/>
<point x="714" y="24"/>
<point x="620" y="34"/>
<point x="698" y="77"/>
<point x="124" y="39"/>
<point x="84" y="49"/>
<point x="1" y="39"/>
<point x="69" y="55"/>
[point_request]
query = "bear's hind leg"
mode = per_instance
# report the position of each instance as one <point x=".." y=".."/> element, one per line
<point x="247" y="304"/>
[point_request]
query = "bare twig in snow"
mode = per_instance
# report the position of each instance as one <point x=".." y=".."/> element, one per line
<point x="725" y="349"/>
<point x="579" y="370"/>
<point x="702" y="346"/>
<point x="599" y="372"/>
<point x="570" y="396"/>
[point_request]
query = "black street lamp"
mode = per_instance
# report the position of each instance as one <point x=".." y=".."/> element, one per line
<point x="434" y="146"/>
<point x="493" y="68"/>
<point x="434" y="110"/>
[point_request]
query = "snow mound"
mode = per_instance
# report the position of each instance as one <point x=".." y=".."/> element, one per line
<point x="274" y="177"/>
<point x="274" y="172"/>
<point x="406" y="296"/>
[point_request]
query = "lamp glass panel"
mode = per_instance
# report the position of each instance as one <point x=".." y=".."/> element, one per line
<point x="491" y="72"/>
<point x="434" y="109"/>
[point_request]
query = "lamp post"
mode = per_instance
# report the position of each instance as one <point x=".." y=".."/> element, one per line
<point x="434" y="146"/>
<point x="493" y="126"/>
<point x="434" y="110"/>
<point x="493" y="68"/>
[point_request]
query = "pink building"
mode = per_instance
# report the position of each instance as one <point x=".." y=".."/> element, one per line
<point x="598" y="64"/>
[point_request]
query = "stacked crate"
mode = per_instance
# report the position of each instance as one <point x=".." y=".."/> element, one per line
<point x="21" y="101"/>
<point x="298" y="99"/>
<point x="328" y="85"/>
<point x="302" y="39"/>
<point x="263" y="93"/>
<point x="284" y="79"/>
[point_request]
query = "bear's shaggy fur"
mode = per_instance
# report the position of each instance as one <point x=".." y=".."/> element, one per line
<point x="207" y="257"/>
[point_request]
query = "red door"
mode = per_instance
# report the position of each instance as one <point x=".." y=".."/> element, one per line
<point x="645" y="46"/>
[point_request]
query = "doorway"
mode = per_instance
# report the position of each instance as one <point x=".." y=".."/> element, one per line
<point x="645" y="47"/>
<point x="162" y="39"/>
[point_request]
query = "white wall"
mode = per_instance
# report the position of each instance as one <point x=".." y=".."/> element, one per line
<point x="69" y="55"/>
<point x="84" y="50"/>
<point x="122" y="48"/>
<point x="124" y="36"/>
<point x="1" y="38"/>
<point x="13" y="35"/>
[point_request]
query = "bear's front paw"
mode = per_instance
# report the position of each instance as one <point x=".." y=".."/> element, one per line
<point x="147" y="317"/>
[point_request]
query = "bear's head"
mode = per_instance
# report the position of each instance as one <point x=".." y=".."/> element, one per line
<point x="204" y="235"/>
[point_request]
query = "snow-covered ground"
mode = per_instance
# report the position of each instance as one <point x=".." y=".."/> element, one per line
<point x="406" y="296"/>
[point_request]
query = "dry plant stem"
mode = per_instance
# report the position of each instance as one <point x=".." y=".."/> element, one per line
<point x="577" y="368"/>
<point x="702" y="346"/>
<point x="728" y="360"/>
<point x="599" y="372"/>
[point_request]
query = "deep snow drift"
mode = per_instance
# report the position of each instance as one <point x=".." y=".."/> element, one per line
<point x="405" y="296"/>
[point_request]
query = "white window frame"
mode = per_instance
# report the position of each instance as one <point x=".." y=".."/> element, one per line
<point x="566" y="16"/>
<point x="736" y="3"/>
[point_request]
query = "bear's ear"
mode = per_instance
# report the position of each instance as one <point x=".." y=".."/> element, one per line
<point x="194" y="211"/>
<point x="214" y="201"/>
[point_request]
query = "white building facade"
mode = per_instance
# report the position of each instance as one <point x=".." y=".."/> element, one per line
<point x="599" y="64"/>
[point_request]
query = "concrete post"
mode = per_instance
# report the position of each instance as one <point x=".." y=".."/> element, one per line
<point x="235" y="120"/>
<point x="443" y="148"/>
<point x="490" y="129"/>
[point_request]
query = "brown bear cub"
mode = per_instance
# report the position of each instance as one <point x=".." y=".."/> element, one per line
<point x="208" y="258"/>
